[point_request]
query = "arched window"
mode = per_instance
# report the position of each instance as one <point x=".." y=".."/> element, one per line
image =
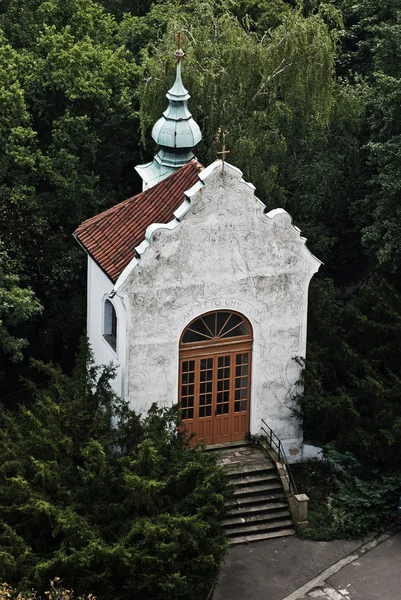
<point x="110" y="324"/>
<point x="216" y="326"/>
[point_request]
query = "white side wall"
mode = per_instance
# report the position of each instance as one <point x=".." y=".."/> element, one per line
<point x="310" y="452"/>
<point x="99" y="288"/>
<point x="225" y="254"/>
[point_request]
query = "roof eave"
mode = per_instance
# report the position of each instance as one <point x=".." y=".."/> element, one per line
<point x="89" y="253"/>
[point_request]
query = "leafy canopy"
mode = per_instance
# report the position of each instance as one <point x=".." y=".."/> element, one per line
<point x="68" y="134"/>
<point x="17" y="305"/>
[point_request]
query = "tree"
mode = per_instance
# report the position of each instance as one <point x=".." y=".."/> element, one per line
<point x="266" y="90"/>
<point x="380" y="47"/>
<point x="17" y="306"/>
<point x="118" y="510"/>
<point x="353" y="376"/>
<point x="293" y="129"/>
<point x="68" y="133"/>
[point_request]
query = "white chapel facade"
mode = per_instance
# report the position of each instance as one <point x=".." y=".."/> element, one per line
<point x="197" y="295"/>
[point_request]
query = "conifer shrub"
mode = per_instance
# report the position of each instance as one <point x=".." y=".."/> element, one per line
<point x="116" y="505"/>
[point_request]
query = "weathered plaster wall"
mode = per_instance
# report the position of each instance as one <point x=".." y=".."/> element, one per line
<point x="99" y="288"/>
<point x="225" y="254"/>
<point x="310" y="452"/>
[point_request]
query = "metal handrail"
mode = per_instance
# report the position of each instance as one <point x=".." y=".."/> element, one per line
<point x="276" y="445"/>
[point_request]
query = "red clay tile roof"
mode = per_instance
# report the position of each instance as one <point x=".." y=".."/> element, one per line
<point x="111" y="237"/>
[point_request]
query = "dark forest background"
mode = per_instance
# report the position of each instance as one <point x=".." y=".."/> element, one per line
<point x="311" y="95"/>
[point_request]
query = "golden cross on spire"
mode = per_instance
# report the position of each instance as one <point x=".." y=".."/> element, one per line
<point x="224" y="152"/>
<point x="179" y="53"/>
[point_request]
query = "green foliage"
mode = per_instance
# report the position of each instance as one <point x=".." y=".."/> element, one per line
<point x="269" y="91"/>
<point x="360" y="506"/>
<point x="346" y="502"/>
<point x="261" y="15"/>
<point x="318" y="480"/>
<point x="120" y="510"/>
<point x="17" y="305"/>
<point x="67" y="132"/>
<point x="353" y="376"/>
<point x="379" y="55"/>
<point x="363" y="500"/>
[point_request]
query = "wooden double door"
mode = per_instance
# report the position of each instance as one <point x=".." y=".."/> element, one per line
<point x="215" y="392"/>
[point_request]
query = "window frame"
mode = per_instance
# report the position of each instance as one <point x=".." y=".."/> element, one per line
<point x="222" y="341"/>
<point x="110" y="324"/>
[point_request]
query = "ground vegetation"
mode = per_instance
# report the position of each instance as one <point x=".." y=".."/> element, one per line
<point x="345" y="499"/>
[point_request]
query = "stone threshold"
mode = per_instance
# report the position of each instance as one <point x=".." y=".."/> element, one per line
<point x="226" y="445"/>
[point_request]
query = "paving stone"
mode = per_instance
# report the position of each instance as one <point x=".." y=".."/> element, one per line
<point x="317" y="593"/>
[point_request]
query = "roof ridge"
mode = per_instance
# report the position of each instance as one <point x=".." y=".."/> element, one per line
<point x="168" y="182"/>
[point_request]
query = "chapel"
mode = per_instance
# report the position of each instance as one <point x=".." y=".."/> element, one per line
<point x="197" y="294"/>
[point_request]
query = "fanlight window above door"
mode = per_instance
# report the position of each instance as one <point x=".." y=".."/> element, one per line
<point x="216" y="326"/>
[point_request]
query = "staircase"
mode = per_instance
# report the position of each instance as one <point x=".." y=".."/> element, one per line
<point x="260" y="508"/>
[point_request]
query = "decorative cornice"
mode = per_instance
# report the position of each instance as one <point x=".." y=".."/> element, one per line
<point x="184" y="208"/>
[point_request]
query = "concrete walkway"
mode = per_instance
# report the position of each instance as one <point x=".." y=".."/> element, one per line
<point x="291" y="569"/>
<point x="373" y="575"/>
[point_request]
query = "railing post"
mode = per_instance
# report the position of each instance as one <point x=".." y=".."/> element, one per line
<point x="300" y="510"/>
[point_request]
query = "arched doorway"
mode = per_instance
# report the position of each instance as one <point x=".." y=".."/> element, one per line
<point x="215" y="377"/>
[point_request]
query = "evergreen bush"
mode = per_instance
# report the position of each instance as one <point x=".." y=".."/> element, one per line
<point x="115" y="504"/>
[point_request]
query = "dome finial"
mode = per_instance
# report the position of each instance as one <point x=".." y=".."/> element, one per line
<point x="175" y="132"/>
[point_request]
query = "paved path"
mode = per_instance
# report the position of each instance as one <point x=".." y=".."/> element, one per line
<point x="376" y="575"/>
<point x="271" y="569"/>
<point x="291" y="569"/>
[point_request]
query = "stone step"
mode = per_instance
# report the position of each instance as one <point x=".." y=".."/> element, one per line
<point x="258" y="499"/>
<point x="256" y="518"/>
<point x="239" y="451"/>
<point x="237" y="471"/>
<point x="258" y="528"/>
<point x="243" y="451"/>
<point x="241" y="464"/>
<point x="246" y="539"/>
<point x="257" y="478"/>
<point x="245" y="454"/>
<point x="227" y="446"/>
<point x="250" y="490"/>
<point x="243" y="511"/>
<point x="259" y="509"/>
